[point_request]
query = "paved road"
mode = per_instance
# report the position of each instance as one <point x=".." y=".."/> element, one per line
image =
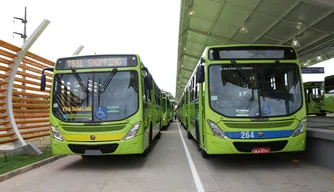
<point x="320" y="122"/>
<point x="168" y="168"/>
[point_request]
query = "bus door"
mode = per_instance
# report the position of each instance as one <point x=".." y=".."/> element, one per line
<point x="146" y="104"/>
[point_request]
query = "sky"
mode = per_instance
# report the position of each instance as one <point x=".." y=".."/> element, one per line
<point x="145" y="27"/>
<point x="149" y="28"/>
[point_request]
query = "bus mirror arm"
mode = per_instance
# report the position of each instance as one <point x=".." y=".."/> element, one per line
<point x="200" y="74"/>
<point x="148" y="82"/>
<point x="43" y="77"/>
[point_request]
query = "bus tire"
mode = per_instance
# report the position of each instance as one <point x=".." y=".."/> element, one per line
<point x="148" y="149"/>
<point x="159" y="134"/>
<point x="145" y="153"/>
<point x="189" y="135"/>
<point x="204" y="154"/>
<point x="150" y="139"/>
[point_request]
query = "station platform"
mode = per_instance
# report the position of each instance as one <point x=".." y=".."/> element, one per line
<point x="174" y="164"/>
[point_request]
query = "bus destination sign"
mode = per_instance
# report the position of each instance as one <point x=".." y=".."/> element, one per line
<point x="252" y="53"/>
<point x="89" y="62"/>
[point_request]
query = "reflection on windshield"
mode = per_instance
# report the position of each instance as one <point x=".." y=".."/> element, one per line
<point x="317" y="94"/>
<point x="250" y="94"/>
<point x="120" y="99"/>
<point x="117" y="102"/>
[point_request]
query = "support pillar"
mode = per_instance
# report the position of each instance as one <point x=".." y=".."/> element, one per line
<point x="20" y="146"/>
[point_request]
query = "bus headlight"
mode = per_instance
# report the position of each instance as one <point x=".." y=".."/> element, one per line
<point x="56" y="134"/>
<point x="300" y="128"/>
<point x="216" y="130"/>
<point x="132" y="132"/>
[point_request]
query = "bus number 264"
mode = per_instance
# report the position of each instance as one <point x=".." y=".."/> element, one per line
<point x="247" y="134"/>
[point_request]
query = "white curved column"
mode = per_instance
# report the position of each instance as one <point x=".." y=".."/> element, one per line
<point x="12" y="73"/>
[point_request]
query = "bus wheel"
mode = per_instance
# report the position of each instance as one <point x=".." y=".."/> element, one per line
<point x="145" y="153"/>
<point x="159" y="134"/>
<point x="204" y="154"/>
<point x="150" y="139"/>
<point x="148" y="149"/>
<point x="189" y="135"/>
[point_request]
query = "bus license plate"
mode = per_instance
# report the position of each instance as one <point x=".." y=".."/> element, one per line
<point x="93" y="152"/>
<point x="261" y="150"/>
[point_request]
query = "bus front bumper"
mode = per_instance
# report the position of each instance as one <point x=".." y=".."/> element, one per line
<point x="131" y="146"/>
<point x="216" y="145"/>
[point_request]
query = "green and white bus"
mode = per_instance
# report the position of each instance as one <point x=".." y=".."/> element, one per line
<point x="181" y="111"/>
<point x="166" y="110"/>
<point x="314" y="92"/>
<point x="246" y="99"/>
<point x="103" y="105"/>
<point x="329" y="94"/>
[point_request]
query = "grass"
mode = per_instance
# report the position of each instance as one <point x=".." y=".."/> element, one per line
<point x="13" y="162"/>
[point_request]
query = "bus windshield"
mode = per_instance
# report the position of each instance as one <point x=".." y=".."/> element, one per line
<point x="255" y="90"/>
<point x="317" y="93"/>
<point x="100" y="101"/>
<point x="329" y="85"/>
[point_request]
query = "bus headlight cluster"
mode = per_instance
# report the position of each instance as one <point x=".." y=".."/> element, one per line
<point x="216" y="130"/>
<point x="56" y="134"/>
<point x="132" y="132"/>
<point x="300" y="128"/>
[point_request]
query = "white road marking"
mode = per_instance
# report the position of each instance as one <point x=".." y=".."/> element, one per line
<point x="197" y="180"/>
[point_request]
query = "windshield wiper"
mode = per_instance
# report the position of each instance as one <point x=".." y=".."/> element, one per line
<point x="80" y="81"/>
<point x="81" y="84"/>
<point x="107" y="81"/>
<point x="271" y="71"/>
<point x="234" y="64"/>
<point x="102" y="88"/>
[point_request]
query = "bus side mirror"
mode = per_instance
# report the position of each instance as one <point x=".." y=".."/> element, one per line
<point x="148" y="81"/>
<point x="43" y="82"/>
<point x="43" y="77"/>
<point x="200" y="74"/>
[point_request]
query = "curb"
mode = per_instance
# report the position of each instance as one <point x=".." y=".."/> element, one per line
<point x="27" y="168"/>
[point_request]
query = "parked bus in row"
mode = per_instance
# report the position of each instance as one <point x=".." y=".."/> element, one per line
<point x="103" y="104"/>
<point x="329" y="94"/>
<point x="245" y="99"/>
<point x="314" y="92"/>
<point x="167" y="115"/>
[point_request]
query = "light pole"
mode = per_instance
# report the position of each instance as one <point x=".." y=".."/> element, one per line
<point x="24" y="21"/>
<point x="24" y="37"/>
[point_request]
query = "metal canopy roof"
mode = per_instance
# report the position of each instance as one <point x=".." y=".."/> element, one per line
<point x="211" y="22"/>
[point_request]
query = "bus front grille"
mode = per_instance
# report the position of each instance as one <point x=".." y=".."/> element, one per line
<point x="248" y="146"/>
<point x="250" y="125"/>
<point x="80" y="149"/>
<point x="83" y="128"/>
